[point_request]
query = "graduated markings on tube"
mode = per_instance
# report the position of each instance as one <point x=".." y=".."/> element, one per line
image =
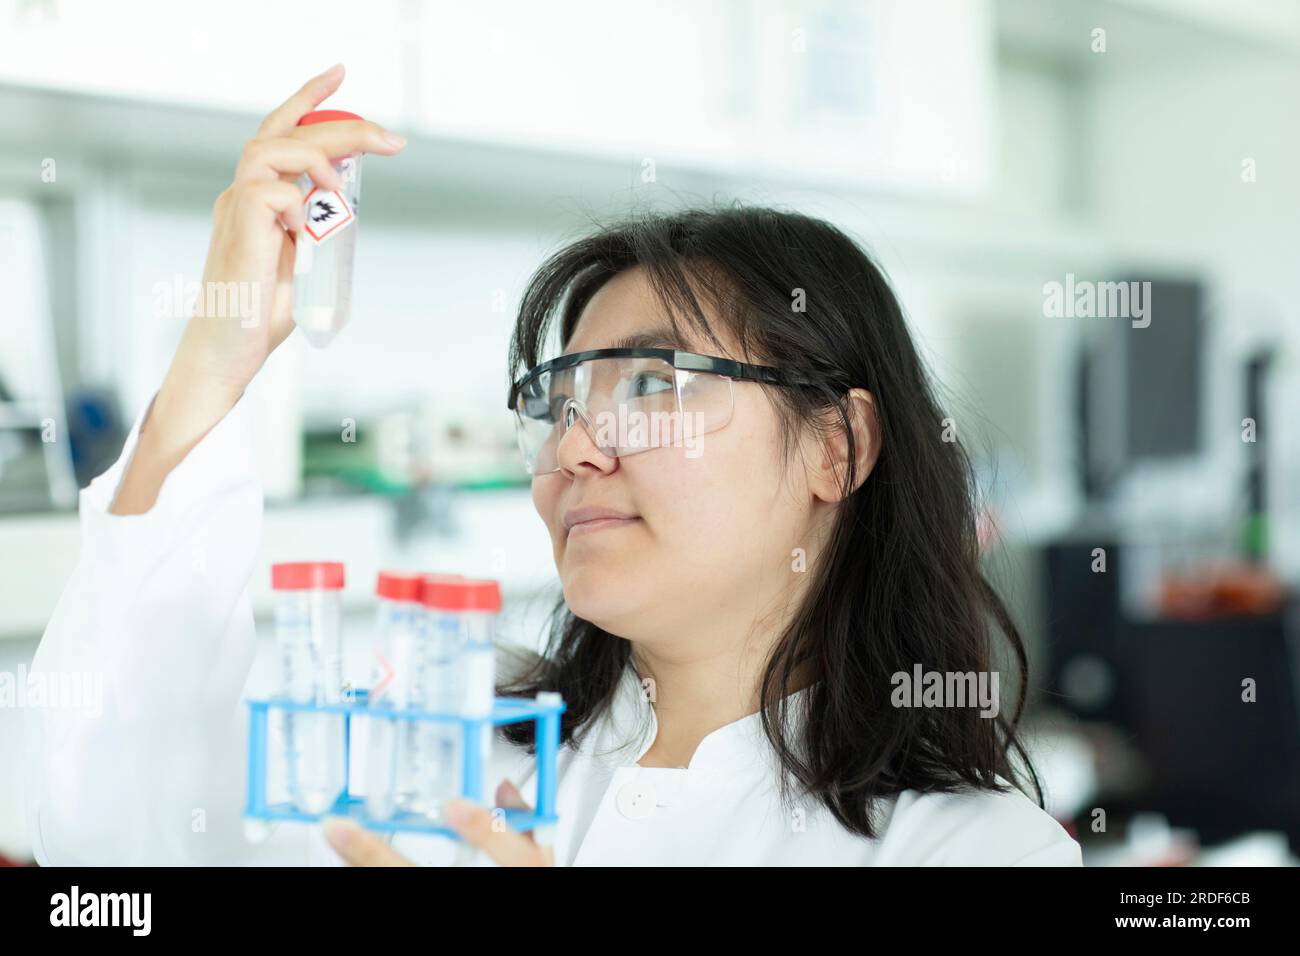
<point x="327" y="213"/>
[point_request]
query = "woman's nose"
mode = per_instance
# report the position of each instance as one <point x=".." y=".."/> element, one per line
<point x="577" y="447"/>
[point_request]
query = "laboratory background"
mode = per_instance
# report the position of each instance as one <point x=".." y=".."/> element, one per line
<point x="1090" y="211"/>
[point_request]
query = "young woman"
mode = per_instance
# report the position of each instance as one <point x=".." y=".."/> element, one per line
<point x="760" y="532"/>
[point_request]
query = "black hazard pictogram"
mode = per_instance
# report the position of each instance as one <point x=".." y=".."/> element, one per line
<point x="326" y="213"/>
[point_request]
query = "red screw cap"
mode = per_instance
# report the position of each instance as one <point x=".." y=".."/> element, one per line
<point x="307" y="576"/>
<point x="465" y="594"/>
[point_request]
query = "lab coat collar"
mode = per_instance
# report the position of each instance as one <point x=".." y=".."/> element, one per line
<point x="631" y="726"/>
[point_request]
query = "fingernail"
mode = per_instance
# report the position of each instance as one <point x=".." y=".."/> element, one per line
<point x="336" y="67"/>
<point x="395" y="140"/>
<point x="339" y="831"/>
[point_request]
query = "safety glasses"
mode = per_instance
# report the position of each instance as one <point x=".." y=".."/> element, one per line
<point x="629" y="400"/>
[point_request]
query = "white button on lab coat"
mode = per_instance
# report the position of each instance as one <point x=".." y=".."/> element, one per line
<point x="636" y="799"/>
<point x="159" y="777"/>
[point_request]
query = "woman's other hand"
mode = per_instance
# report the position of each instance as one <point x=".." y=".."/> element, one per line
<point x="478" y="826"/>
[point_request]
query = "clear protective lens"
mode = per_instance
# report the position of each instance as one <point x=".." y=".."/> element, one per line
<point x="626" y="406"/>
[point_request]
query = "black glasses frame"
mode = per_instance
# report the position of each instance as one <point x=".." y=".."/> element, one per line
<point x="688" y="361"/>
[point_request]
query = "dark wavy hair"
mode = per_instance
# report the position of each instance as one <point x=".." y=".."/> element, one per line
<point x="899" y="582"/>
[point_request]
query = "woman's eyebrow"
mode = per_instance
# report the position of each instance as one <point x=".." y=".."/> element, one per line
<point x="658" y="338"/>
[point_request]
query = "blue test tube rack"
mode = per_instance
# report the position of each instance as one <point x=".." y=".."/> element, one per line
<point x="544" y="711"/>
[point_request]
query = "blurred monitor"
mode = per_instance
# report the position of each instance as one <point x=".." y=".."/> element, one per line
<point x="1140" y="387"/>
<point x="1163" y="374"/>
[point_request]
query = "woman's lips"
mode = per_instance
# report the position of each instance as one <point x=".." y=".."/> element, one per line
<point x="598" y="524"/>
<point x="591" y="518"/>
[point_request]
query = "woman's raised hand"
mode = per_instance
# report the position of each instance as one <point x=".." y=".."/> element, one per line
<point x="253" y="225"/>
<point x="245" y="304"/>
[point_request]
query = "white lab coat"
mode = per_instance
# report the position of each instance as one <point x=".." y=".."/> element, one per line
<point x="158" y="603"/>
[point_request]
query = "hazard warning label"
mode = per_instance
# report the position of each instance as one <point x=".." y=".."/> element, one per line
<point x="328" y="213"/>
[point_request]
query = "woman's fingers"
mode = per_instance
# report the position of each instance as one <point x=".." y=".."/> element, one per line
<point x="480" y="827"/>
<point x="345" y="137"/>
<point x="285" y="117"/>
<point x="477" y="826"/>
<point x="281" y="198"/>
<point x="508" y="795"/>
<point x="310" y="148"/>
<point x="283" y="149"/>
<point x="358" y="846"/>
<point x="265" y="159"/>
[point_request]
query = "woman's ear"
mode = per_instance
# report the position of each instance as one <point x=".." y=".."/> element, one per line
<point x="831" y="462"/>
